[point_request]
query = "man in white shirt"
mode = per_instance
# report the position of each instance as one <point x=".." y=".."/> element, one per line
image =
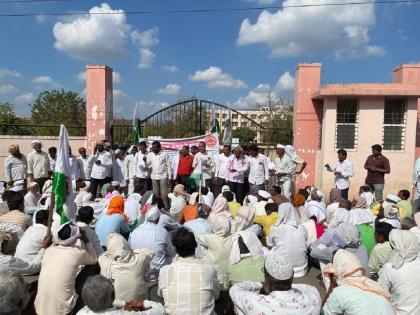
<point x="160" y="165"/>
<point x="130" y="168"/>
<point x="52" y="154"/>
<point x="118" y="169"/>
<point x="258" y="168"/>
<point x="285" y="169"/>
<point x="343" y="170"/>
<point x="39" y="169"/>
<point x="15" y="166"/>
<point x="85" y="163"/>
<point x="141" y="172"/>
<point x="281" y="295"/>
<point x="203" y="164"/>
<point x="102" y="165"/>
<point x="220" y="173"/>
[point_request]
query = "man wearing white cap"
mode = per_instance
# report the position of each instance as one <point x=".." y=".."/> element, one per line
<point x="32" y="196"/>
<point x="284" y="171"/>
<point x="38" y="165"/>
<point x="263" y="198"/>
<point x="130" y="168"/>
<point x="281" y="296"/>
<point x="15" y="165"/>
<point x="151" y="235"/>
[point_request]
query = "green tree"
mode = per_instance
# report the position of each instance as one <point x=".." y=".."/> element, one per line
<point x="245" y="135"/>
<point x="57" y="107"/>
<point x="9" y="121"/>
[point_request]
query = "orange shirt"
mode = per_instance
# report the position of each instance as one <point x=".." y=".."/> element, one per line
<point x="188" y="213"/>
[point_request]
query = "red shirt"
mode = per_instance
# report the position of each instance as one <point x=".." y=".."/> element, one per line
<point x="185" y="165"/>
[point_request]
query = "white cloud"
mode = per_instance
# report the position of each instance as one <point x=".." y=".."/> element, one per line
<point x="7" y="89"/>
<point x="41" y="18"/>
<point x="171" y="69"/>
<point x="93" y="37"/>
<point x="119" y="94"/>
<point x="147" y="57"/>
<point x="303" y="31"/>
<point x="7" y="73"/>
<point x="259" y="95"/>
<point x="116" y="77"/>
<point x="24" y="98"/>
<point x="147" y="38"/>
<point x="216" y="78"/>
<point x="43" y="79"/>
<point x="170" y="89"/>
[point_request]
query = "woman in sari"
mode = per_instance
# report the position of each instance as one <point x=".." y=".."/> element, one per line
<point x="314" y="225"/>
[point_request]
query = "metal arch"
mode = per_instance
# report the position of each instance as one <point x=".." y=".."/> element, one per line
<point x="199" y="103"/>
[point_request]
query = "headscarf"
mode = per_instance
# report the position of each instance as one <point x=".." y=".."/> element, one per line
<point x="243" y="219"/>
<point x="361" y="203"/>
<point x="417" y="219"/>
<point x="74" y="235"/>
<point x="287" y="215"/>
<point x="4" y="236"/>
<point x="405" y="247"/>
<point x="291" y="152"/>
<point x="298" y="200"/>
<point x="118" y="248"/>
<point x="221" y="225"/>
<point x="153" y="214"/>
<point x="339" y="215"/>
<point x="370" y="199"/>
<point x="116" y="205"/>
<point x="391" y="211"/>
<point x="256" y="250"/>
<point x="349" y="270"/>
<point x="349" y="234"/>
<point x="335" y="195"/>
<point x="314" y="209"/>
<point x="361" y="216"/>
<point x="220" y="206"/>
<point x="179" y="190"/>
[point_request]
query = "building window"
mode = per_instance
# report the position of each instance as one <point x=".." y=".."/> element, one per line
<point x="217" y="115"/>
<point x="346" y="126"/>
<point x="394" y="124"/>
<point x="234" y="116"/>
<point x="235" y="124"/>
<point x="224" y="116"/>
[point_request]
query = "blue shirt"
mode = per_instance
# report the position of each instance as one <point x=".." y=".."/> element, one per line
<point x="108" y="224"/>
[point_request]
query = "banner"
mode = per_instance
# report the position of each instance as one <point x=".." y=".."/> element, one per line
<point x="211" y="140"/>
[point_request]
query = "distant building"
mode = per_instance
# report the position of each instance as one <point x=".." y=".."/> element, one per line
<point x="259" y="115"/>
<point x="355" y="117"/>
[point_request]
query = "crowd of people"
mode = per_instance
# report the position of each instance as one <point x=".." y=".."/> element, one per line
<point x="224" y="233"/>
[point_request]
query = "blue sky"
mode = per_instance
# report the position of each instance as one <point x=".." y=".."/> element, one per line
<point x="229" y="57"/>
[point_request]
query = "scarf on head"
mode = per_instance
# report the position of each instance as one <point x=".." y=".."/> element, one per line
<point x="315" y="209"/>
<point x="221" y="225"/>
<point x="118" y="248"/>
<point x="335" y="195"/>
<point x="220" y="206"/>
<point x="349" y="234"/>
<point x="243" y="219"/>
<point x="116" y="205"/>
<point x="298" y="200"/>
<point x="287" y="215"/>
<point x="348" y="270"/>
<point x="405" y="247"/>
<point x="361" y="203"/>
<point x="179" y="190"/>
<point x="391" y="211"/>
<point x="361" y="216"/>
<point x="370" y="199"/>
<point x="4" y="236"/>
<point x="74" y="235"/>
<point x="339" y="215"/>
<point x="256" y="250"/>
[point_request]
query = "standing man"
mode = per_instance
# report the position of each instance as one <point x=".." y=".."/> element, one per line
<point x="236" y="167"/>
<point x="15" y="166"/>
<point x="102" y="165"/>
<point x="159" y="162"/>
<point x="39" y="169"/>
<point x="377" y="166"/>
<point x="118" y="169"/>
<point x="343" y="170"/>
<point x="141" y="172"/>
<point x="183" y="169"/>
<point x="52" y="153"/>
<point x="258" y="168"/>
<point x="220" y="175"/>
<point x="203" y="163"/>
<point x="284" y="171"/>
<point x="130" y="168"/>
<point x="85" y="163"/>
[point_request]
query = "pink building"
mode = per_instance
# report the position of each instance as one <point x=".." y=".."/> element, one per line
<point x="354" y="117"/>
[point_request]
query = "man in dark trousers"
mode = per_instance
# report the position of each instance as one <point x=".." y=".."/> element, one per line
<point x="377" y="166"/>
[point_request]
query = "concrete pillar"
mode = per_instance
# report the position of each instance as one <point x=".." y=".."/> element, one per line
<point x="98" y="104"/>
<point x="307" y="119"/>
<point x="410" y="74"/>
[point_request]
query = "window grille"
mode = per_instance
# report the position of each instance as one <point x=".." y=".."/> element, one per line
<point x="346" y="125"/>
<point x="393" y="138"/>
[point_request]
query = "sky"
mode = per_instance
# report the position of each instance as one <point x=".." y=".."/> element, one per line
<point x="230" y="57"/>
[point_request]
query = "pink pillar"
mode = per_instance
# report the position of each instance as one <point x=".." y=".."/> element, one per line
<point x="410" y="74"/>
<point x="307" y="119"/>
<point x="98" y="104"/>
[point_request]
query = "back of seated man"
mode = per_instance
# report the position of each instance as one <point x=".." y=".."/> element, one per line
<point x="13" y="293"/>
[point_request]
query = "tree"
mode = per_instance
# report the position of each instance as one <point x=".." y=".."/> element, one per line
<point x="278" y="124"/>
<point x="9" y="121"/>
<point x="244" y="134"/>
<point x="57" y="107"/>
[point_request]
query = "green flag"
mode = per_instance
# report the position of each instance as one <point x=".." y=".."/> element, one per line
<point x="216" y="127"/>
